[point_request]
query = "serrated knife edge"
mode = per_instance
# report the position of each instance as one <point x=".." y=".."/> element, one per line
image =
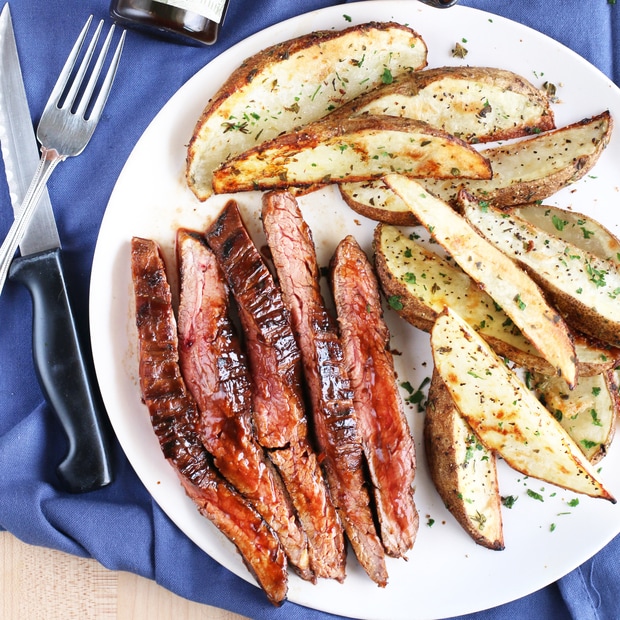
<point x="63" y="368"/>
<point x="19" y="152"/>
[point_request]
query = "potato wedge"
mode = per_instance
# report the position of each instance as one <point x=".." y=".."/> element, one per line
<point x="463" y="471"/>
<point x="350" y="149"/>
<point x="504" y="413"/>
<point x="507" y="284"/>
<point x="523" y="172"/>
<point x="374" y="200"/>
<point x="584" y="287"/>
<point x="576" y="228"/>
<point x="538" y="167"/>
<point x="588" y="234"/>
<point x="419" y="284"/>
<point x="294" y="83"/>
<point x="477" y="104"/>
<point x="588" y="412"/>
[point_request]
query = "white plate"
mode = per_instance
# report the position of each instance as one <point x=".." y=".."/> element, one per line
<point x="447" y="574"/>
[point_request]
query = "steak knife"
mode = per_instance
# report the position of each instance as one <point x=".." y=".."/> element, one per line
<point x="58" y="356"/>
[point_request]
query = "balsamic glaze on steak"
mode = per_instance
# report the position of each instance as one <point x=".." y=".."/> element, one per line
<point x="215" y="370"/>
<point x="274" y="361"/>
<point x="174" y="417"/>
<point x="385" y="433"/>
<point x="334" y="419"/>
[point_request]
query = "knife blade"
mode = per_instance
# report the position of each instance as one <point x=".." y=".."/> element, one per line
<point x="59" y="358"/>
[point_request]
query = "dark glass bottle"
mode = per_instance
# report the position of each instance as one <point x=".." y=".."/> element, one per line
<point x="196" y="20"/>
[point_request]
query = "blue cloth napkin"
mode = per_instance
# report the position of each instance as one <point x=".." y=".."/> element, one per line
<point x="120" y="525"/>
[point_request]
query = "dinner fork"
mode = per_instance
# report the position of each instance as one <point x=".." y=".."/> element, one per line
<point x="66" y="126"/>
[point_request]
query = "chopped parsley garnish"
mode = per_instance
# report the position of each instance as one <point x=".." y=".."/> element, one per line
<point x="558" y="222"/>
<point x="596" y="275"/>
<point x="387" y="77"/>
<point x="509" y="501"/>
<point x="395" y="302"/>
<point x="535" y="495"/>
<point x="588" y="443"/>
<point x="416" y="397"/>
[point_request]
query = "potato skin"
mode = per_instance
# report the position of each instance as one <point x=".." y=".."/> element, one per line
<point x="589" y="412"/>
<point x="572" y="226"/>
<point x="506" y="283"/>
<point x="285" y="77"/>
<point x="374" y="200"/>
<point x="583" y="141"/>
<point x="350" y="149"/>
<point x="468" y="486"/>
<point x="476" y="104"/>
<point x="584" y="287"/>
<point x="592" y="356"/>
<point x="580" y="145"/>
<point x="413" y="310"/>
<point x="505" y="414"/>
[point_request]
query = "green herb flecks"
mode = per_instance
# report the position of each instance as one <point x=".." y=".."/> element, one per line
<point x="535" y="495"/>
<point x="509" y="501"/>
<point x="395" y="302"/>
<point x="416" y="396"/>
<point x="387" y="77"/>
<point x="558" y="222"/>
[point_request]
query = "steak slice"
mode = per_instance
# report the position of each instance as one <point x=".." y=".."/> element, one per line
<point x="275" y="368"/>
<point x="215" y="371"/>
<point x="385" y="433"/>
<point x="334" y="419"/>
<point x="174" y="416"/>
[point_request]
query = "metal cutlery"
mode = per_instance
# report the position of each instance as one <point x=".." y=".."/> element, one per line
<point x="59" y="358"/>
<point x="65" y="127"/>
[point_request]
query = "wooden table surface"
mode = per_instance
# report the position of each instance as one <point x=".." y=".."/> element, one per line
<point x="38" y="583"/>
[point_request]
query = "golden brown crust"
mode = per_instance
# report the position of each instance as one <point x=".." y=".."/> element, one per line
<point x="523" y="172"/>
<point x="463" y="472"/>
<point x="477" y="104"/>
<point x="350" y="149"/>
<point x="292" y="83"/>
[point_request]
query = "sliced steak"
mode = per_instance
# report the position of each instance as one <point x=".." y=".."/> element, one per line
<point x="174" y="416"/>
<point x="215" y="371"/>
<point x="334" y="420"/>
<point x="385" y="433"/>
<point x="279" y="414"/>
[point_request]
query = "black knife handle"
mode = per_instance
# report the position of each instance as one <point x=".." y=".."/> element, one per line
<point x="62" y="371"/>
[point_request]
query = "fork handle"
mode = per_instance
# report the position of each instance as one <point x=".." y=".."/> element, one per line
<point x="49" y="160"/>
<point x="63" y="373"/>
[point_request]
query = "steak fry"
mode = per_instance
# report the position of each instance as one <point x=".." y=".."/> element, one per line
<point x="215" y="371"/>
<point x="274" y="362"/>
<point x="384" y="430"/>
<point x="174" y="416"/>
<point x="334" y="419"/>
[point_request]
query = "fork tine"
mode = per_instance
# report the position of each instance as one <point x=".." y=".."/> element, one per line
<point x="65" y="74"/>
<point x="94" y="76"/>
<point x="109" y="79"/>
<point x="79" y="76"/>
